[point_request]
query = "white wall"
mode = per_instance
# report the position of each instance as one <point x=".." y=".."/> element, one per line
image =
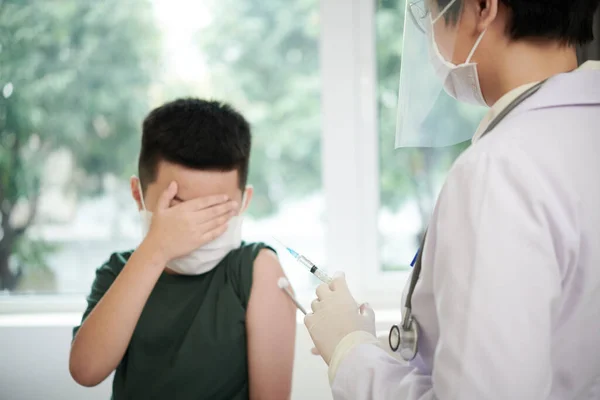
<point x="34" y="352"/>
<point x="34" y="366"/>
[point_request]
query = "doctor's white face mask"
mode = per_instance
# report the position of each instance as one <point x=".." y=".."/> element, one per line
<point x="460" y="81"/>
<point x="207" y="257"/>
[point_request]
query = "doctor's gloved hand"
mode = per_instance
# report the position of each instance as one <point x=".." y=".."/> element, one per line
<point x="335" y="316"/>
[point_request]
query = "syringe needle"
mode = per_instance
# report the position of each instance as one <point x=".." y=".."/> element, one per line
<point x="292" y="252"/>
<point x="313" y="269"/>
<point x="280" y="242"/>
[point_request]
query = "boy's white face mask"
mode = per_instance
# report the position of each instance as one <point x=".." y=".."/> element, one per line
<point x="207" y="257"/>
<point x="460" y="81"/>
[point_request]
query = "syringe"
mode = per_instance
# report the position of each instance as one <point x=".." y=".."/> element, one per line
<point x="308" y="264"/>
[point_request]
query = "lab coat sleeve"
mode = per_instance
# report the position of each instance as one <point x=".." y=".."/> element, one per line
<point x="369" y="373"/>
<point x="490" y="254"/>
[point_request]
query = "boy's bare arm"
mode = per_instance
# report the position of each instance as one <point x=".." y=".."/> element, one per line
<point x="271" y="331"/>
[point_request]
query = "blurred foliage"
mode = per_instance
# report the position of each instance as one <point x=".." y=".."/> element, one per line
<point x="36" y="275"/>
<point x="74" y="75"/>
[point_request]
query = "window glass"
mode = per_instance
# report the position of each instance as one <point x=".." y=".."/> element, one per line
<point x="410" y="179"/>
<point x="75" y="86"/>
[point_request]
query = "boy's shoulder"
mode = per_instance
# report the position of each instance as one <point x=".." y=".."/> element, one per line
<point x="243" y="257"/>
<point x="239" y="267"/>
<point x="250" y="250"/>
<point x="240" y="260"/>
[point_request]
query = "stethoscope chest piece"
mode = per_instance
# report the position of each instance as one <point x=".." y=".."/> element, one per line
<point x="405" y="339"/>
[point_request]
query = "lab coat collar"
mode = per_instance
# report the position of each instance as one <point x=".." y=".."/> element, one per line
<point x="580" y="87"/>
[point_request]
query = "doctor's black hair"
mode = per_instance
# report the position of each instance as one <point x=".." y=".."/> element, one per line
<point x="567" y="21"/>
<point x="197" y="134"/>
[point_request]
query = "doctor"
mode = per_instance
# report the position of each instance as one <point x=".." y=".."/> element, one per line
<point x="507" y="301"/>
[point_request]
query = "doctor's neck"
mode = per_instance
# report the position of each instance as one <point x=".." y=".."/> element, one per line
<point x="525" y="61"/>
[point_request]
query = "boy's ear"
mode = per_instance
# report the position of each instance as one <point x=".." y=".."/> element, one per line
<point x="246" y="198"/>
<point x="136" y="193"/>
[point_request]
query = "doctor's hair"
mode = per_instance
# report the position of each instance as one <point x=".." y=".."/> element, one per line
<point x="567" y="21"/>
<point x="197" y="134"/>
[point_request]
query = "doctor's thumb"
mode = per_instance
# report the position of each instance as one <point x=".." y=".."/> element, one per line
<point x="366" y="310"/>
<point x="338" y="275"/>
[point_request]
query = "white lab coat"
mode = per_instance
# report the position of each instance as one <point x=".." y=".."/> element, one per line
<point x="508" y="301"/>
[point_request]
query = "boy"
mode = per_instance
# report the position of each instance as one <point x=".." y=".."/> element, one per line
<point x="193" y="312"/>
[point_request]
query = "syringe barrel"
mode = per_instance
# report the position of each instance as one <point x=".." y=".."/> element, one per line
<point x="314" y="269"/>
<point x="307" y="263"/>
<point x="323" y="276"/>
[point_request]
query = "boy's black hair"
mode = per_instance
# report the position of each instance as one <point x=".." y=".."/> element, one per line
<point x="198" y="134"/>
<point x="567" y="21"/>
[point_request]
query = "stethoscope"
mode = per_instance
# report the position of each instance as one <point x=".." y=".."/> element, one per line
<point x="405" y="337"/>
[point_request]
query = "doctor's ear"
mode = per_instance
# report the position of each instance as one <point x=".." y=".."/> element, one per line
<point x="487" y="11"/>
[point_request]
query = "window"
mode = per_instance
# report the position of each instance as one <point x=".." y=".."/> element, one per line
<point x="75" y="86"/>
<point x="410" y="179"/>
<point x="317" y="80"/>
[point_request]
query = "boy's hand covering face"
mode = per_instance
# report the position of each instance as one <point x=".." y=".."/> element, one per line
<point x="178" y="230"/>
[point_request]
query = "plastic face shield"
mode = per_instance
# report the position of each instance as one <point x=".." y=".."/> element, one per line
<point x="427" y="116"/>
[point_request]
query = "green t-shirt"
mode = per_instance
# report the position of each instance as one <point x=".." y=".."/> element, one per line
<point x="190" y="340"/>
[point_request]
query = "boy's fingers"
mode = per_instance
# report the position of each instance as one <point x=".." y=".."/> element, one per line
<point x="202" y="203"/>
<point x="211" y="213"/>
<point x="214" y="229"/>
<point x="166" y="196"/>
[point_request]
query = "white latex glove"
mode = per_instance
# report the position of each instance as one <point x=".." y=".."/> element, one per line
<point x="336" y="315"/>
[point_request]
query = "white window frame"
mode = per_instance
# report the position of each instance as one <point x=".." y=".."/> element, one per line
<point x="350" y="150"/>
<point x="42" y="304"/>
<point x="350" y="160"/>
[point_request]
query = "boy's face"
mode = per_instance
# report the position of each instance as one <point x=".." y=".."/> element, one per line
<point x="191" y="184"/>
